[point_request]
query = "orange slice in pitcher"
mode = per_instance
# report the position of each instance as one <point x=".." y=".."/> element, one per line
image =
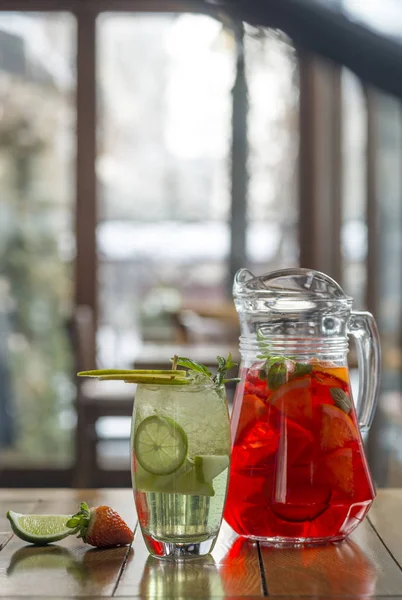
<point x="340" y="373"/>
<point x="337" y="469"/>
<point x="337" y="428"/>
<point x="294" y="400"/>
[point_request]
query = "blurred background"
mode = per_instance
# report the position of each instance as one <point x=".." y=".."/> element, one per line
<point x="144" y="158"/>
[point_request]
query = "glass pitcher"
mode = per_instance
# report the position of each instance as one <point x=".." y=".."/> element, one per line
<point x="299" y="474"/>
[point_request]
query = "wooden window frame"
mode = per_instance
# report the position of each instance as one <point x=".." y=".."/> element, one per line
<point x="319" y="220"/>
<point x="86" y="13"/>
<point x="320" y="166"/>
<point x="86" y="260"/>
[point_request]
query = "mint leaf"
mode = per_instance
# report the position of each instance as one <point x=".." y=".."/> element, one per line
<point x="219" y="379"/>
<point x="224" y="365"/>
<point x="341" y="399"/>
<point x="301" y="369"/>
<point x="193" y="366"/>
<point x="277" y="375"/>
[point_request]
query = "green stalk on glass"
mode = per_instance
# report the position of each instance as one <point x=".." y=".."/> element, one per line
<point x="180" y="444"/>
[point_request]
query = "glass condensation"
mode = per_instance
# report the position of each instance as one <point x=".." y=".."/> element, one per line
<point x="180" y="513"/>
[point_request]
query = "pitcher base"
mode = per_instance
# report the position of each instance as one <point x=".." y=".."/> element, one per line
<point x="294" y="542"/>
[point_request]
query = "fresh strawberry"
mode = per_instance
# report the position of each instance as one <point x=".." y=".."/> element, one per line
<point x="100" y="526"/>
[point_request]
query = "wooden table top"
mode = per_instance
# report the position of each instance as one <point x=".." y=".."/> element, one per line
<point x="369" y="564"/>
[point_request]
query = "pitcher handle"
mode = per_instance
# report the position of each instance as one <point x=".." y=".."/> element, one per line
<point x="363" y="328"/>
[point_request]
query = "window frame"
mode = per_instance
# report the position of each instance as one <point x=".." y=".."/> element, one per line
<point x="324" y="229"/>
<point x="86" y="285"/>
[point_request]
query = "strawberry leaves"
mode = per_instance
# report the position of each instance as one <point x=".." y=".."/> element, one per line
<point x="80" y="521"/>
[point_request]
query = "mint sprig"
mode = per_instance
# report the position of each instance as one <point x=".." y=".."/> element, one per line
<point x="192" y="365"/>
<point x="224" y="365"/>
<point x="275" y="369"/>
<point x="219" y="379"/>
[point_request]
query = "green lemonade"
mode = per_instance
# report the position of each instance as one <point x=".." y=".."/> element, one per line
<point x="181" y="451"/>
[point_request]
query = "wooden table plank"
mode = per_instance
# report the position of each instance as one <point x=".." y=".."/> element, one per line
<point x="231" y="570"/>
<point x="4" y="539"/>
<point x="360" y="566"/>
<point x="239" y="565"/>
<point x="69" y="568"/>
<point x="385" y="516"/>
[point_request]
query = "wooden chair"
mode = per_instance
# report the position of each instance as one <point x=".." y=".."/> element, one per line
<point x="95" y="399"/>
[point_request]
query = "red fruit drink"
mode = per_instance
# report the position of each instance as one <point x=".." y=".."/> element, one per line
<point x="298" y="470"/>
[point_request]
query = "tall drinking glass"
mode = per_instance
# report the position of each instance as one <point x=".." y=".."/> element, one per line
<point x="180" y="440"/>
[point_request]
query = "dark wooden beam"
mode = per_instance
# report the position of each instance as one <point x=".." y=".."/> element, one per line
<point x="313" y="26"/>
<point x="336" y="190"/>
<point x="86" y="205"/>
<point x="239" y="154"/>
<point x="320" y="166"/>
<point x="308" y="196"/>
<point x="372" y="263"/>
<point x="96" y="6"/>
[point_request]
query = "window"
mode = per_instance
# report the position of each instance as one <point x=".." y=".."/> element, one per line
<point x="36" y="236"/>
<point x="354" y="193"/>
<point x="164" y="113"/>
<point x="272" y="77"/>
<point x="165" y="229"/>
<point x="389" y="277"/>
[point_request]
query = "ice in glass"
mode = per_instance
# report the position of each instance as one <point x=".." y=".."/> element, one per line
<point x="180" y="459"/>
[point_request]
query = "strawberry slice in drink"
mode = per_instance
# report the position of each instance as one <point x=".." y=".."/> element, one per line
<point x="258" y="446"/>
<point x="255" y="385"/>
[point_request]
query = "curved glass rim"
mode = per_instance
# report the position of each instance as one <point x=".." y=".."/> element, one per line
<point x="245" y="282"/>
<point x="182" y="388"/>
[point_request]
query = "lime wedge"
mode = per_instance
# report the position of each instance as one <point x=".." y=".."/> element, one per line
<point x="160" y="445"/>
<point x="148" y="482"/>
<point x="208" y="467"/>
<point x="39" y="529"/>
<point x="189" y="485"/>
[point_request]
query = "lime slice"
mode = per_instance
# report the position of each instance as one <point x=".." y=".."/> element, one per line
<point x="39" y="529"/>
<point x="160" y="445"/>
<point x="208" y="467"/>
